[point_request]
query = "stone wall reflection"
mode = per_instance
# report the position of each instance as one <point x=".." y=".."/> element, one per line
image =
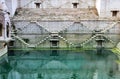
<point x="42" y="64"/>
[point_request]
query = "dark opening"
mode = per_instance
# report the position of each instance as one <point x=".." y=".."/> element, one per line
<point x="37" y="5"/>
<point x="7" y="29"/>
<point x="26" y="40"/>
<point x="75" y="5"/>
<point x="114" y="13"/>
<point x="11" y="43"/>
<point x="0" y="29"/>
<point x="54" y="43"/>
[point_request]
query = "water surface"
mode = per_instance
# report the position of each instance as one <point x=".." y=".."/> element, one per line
<point x="59" y="64"/>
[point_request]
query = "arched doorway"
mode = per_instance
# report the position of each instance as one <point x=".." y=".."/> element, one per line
<point x="1" y="29"/>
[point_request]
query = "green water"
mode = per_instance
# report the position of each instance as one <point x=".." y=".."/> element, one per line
<point x="59" y="64"/>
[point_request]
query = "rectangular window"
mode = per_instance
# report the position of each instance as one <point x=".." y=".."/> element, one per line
<point x="75" y="5"/>
<point x="37" y="5"/>
<point x="114" y="13"/>
<point x="54" y="43"/>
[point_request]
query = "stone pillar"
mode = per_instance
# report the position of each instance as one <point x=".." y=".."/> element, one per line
<point x="99" y="41"/>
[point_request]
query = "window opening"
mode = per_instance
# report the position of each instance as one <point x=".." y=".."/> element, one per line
<point x="37" y="5"/>
<point x="114" y="13"/>
<point x="75" y="5"/>
<point x="54" y="43"/>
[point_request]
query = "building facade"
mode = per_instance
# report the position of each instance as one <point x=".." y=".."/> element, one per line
<point x="5" y="26"/>
<point x="65" y="23"/>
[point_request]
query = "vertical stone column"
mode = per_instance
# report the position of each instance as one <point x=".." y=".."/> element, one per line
<point x="99" y="41"/>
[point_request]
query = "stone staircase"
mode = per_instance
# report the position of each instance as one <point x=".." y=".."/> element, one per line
<point x="109" y="27"/>
<point x="103" y="31"/>
<point x="88" y="40"/>
<point x="54" y="27"/>
<point x="43" y="40"/>
<point x="70" y="43"/>
<point x="21" y="40"/>
<point x="31" y="45"/>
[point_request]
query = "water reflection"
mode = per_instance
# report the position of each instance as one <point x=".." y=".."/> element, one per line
<point x="59" y="64"/>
